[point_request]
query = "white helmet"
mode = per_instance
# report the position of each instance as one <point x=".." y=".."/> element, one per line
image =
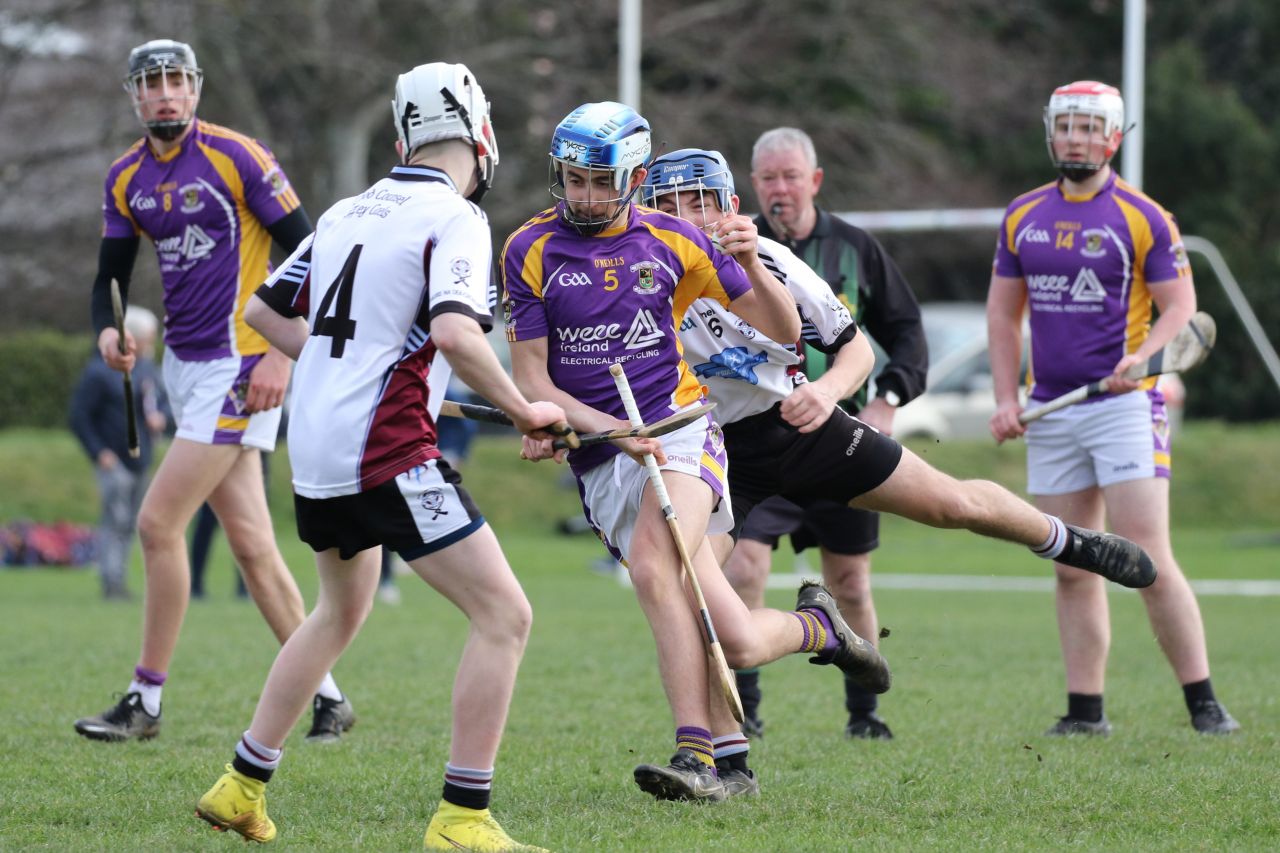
<point x="1085" y="98"/>
<point x="443" y="100"/>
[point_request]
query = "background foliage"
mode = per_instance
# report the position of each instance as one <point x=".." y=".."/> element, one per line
<point x="915" y="104"/>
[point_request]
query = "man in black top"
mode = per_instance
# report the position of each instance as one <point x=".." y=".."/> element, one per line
<point x="786" y="178"/>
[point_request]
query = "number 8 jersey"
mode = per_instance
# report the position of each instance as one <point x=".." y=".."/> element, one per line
<point x="368" y="385"/>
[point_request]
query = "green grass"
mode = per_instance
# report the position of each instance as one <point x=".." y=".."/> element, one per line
<point x="978" y="678"/>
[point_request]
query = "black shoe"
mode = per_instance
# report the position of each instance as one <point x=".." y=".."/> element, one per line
<point x="856" y="657"/>
<point x="868" y="726"/>
<point x="126" y="720"/>
<point x="1210" y="718"/>
<point x="330" y="719"/>
<point x="1114" y="557"/>
<point x="753" y="727"/>
<point x="1069" y="725"/>
<point x="685" y="778"/>
<point x="739" y="783"/>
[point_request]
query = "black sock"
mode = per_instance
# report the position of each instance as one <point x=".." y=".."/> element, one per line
<point x="1084" y="706"/>
<point x="859" y="701"/>
<point x="749" y="691"/>
<point x="251" y="770"/>
<point x="468" y="798"/>
<point x="1198" y="693"/>
<point x="737" y="761"/>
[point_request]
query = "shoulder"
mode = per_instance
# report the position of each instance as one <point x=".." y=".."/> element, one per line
<point x="1031" y="198"/>
<point x="1126" y="193"/>
<point x="666" y="226"/>
<point x="240" y="147"/>
<point x="536" y="226"/>
<point x="132" y="155"/>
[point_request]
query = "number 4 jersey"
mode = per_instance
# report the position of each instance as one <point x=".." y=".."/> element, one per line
<point x="368" y="384"/>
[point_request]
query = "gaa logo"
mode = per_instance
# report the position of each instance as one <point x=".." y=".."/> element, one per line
<point x="574" y="279"/>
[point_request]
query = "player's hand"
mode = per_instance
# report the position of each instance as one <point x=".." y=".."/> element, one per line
<point x="808" y="407"/>
<point x="737" y="236"/>
<point x="109" y="347"/>
<point x="1004" y="423"/>
<point x="537" y="417"/>
<point x="267" y="382"/>
<point x="1117" y="382"/>
<point x="537" y="449"/>
<point x="879" y="414"/>
<point x="107" y="460"/>
<point x="638" y="448"/>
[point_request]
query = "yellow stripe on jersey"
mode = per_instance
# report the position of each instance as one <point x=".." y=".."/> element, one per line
<point x="531" y="271"/>
<point x="1014" y="219"/>
<point x="543" y="217"/>
<point x="254" y="249"/>
<point x="118" y="190"/>
<point x="699" y="277"/>
<point x="1162" y="459"/>
<point x="288" y="199"/>
<point x="1138" y="319"/>
<point x="235" y="424"/>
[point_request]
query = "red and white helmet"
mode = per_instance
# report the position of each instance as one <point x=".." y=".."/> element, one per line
<point x="443" y="100"/>
<point x="1085" y="98"/>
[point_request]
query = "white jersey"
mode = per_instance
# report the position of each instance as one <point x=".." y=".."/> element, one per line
<point x="369" y="383"/>
<point x="745" y="372"/>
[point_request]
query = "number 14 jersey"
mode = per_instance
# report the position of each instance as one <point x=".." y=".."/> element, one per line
<point x="369" y="382"/>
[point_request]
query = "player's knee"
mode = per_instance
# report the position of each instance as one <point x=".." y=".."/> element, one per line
<point x="958" y="507"/>
<point x="155" y="530"/>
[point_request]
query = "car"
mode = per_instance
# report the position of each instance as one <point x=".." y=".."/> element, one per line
<point x="959" y="399"/>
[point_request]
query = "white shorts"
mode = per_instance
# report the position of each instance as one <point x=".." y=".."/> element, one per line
<point x="208" y="402"/>
<point x="611" y="491"/>
<point x="1098" y="444"/>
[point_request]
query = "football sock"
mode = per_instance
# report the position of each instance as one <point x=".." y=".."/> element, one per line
<point x="1197" y="693"/>
<point x="147" y="683"/>
<point x="749" y="691"/>
<point x="731" y="751"/>
<point x="1084" y="706"/>
<point x="858" y="700"/>
<point x="467" y="786"/>
<point x="329" y="688"/>
<point x="1053" y="547"/>
<point x="256" y="760"/>
<point x="818" y="635"/>
<point x="697" y="741"/>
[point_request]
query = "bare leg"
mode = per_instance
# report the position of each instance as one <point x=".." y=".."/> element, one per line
<point x="747" y="570"/>
<point x="474" y="575"/>
<point x="1139" y="510"/>
<point x="920" y="492"/>
<point x="1084" y="619"/>
<point x="241" y="506"/>
<point x="346" y="596"/>
<point x="188" y="474"/>
<point x="848" y="577"/>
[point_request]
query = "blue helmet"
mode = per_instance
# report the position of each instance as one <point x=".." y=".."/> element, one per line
<point x="689" y="169"/>
<point x="601" y="136"/>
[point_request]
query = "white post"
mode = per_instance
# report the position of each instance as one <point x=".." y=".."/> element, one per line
<point x="1135" y="60"/>
<point x="629" y="53"/>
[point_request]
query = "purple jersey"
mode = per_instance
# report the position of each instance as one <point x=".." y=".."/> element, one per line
<point x="1087" y="262"/>
<point x="614" y="297"/>
<point x="205" y="205"/>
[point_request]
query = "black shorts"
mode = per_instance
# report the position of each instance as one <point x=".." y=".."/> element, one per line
<point x="420" y="511"/>
<point x="842" y="460"/>
<point x="838" y="528"/>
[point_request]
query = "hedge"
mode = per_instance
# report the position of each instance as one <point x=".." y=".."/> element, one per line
<point x="39" y="372"/>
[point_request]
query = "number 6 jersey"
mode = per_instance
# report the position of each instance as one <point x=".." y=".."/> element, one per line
<point x="368" y="384"/>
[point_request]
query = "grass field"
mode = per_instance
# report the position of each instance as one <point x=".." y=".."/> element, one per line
<point x="977" y="680"/>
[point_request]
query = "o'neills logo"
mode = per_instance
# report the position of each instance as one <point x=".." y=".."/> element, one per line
<point x="853" y="445"/>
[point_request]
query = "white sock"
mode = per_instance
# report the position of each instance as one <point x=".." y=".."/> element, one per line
<point x="1053" y="547"/>
<point x="150" y="694"/>
<point x="732" y="744"/>
<point x="329" y="688"/>
<point x="257" y="754"/>
<point x="468" y="777"/>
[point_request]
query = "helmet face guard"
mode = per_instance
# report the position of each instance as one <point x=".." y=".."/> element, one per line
<point x="1071" y="112"/>
<point x="442" y="100"/>
<point x="691" y="170"/>
<point x="601" y="138"/>
<point x="163" y="73"/>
